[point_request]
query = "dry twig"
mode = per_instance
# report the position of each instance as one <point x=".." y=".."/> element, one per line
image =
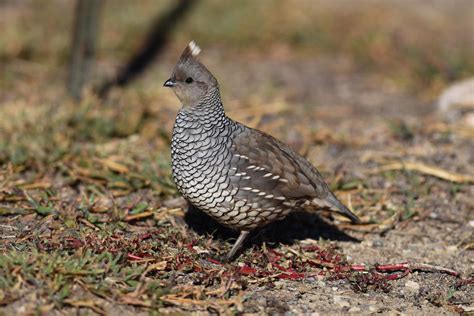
<point x="426" y="169"/>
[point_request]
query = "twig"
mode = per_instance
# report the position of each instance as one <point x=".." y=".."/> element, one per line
<point x="423" y="267"/>
<point x="429" y="170"/>
<point x="406" y="269"/>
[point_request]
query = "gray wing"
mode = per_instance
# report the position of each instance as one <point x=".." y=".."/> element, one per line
<point x="264" y="164"/>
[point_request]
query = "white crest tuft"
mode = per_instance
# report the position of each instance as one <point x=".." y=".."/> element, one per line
<point x="195" y="50"/>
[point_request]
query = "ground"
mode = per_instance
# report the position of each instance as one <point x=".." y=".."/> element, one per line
<point x="90" y="221"/>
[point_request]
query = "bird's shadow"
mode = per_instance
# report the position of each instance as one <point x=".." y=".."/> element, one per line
<point x="296" y="226"/>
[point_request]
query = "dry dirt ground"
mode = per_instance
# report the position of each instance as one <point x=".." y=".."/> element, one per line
<point x="100" y="229"/>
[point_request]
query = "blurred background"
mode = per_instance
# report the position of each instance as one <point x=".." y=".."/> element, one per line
<point x="420" y="45"/>
<point x="357" y="56"/>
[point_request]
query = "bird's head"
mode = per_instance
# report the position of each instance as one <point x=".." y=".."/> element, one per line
<point x="190" y="80"/>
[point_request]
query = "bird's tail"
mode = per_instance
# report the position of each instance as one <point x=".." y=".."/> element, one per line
<point x="330" y="202"/>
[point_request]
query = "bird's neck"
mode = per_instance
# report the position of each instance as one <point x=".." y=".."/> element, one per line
<point x="210" y="109"/>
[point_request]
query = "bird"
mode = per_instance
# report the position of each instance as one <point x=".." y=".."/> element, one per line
<point x="240" y="176"/>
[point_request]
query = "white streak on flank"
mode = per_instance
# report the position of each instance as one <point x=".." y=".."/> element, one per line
<point x="261" y="194"/>
<point x="283" y="180"/>
<point x="269" y="196"/>
<point x="241" y="156"/>
<point x="247" y="189"/>
<point x="195" y="50"/>
<point x="246" y="177"/>
<point x="233" y="168"/>
<point x="281" y="198"/>
<point x="267" y="175"/>
<point x="276" y="177"/>
<point x="251" y="167"/>
<point x="255" y="190"/>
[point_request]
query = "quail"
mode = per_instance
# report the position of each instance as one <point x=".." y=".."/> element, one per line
<point x="240" y="176"/>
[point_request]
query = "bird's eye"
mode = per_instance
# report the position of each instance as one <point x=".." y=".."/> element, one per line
<point x="189" y="80"/>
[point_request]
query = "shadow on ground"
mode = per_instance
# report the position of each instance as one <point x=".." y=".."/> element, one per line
<point x="295" y="227"/>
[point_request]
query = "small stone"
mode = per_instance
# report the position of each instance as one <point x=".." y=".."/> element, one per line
<point x="452" y="248"/>
<point x="471" y="223"/>
<point x="372" y="308"/>
<point x="354" y="309"/>
<point x="338" y="300"/>
<point x="377" y="243"/>
<point x="433" y="215"/>
<point x="467" y="309"/>
<point x="457" y="101"/>
<point x="262" y="301"/>
<point x="412" y="286"/>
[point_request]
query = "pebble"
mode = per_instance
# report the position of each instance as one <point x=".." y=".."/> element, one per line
<point x="377" y="243"/>
<point x="467" y="309"/>
<point x="354" y="309"/>
<point x="452" y="249"/>
<point x="412" y="286"/>
<point x="433" y="215"/>
<point x="262" y="301"/>
<point x="457" y="102"/>
<point x="338" y="300"/>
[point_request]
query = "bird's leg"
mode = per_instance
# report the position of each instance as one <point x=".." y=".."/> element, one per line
<point x="243" y="235"/>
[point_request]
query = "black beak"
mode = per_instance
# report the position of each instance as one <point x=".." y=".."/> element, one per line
<point x="169" y="83"/>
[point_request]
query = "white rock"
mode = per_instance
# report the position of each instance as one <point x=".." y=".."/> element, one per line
<point x="457" y="101"/>
<point x="412" y="286"/>
<point x="354" y="309"/>
<point x="372" y="308"/>
<point x="459" y="93"/>
<point x="467" y="308"/>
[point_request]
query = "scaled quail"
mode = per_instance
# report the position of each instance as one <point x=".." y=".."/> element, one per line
<point x="238" y="175"/>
